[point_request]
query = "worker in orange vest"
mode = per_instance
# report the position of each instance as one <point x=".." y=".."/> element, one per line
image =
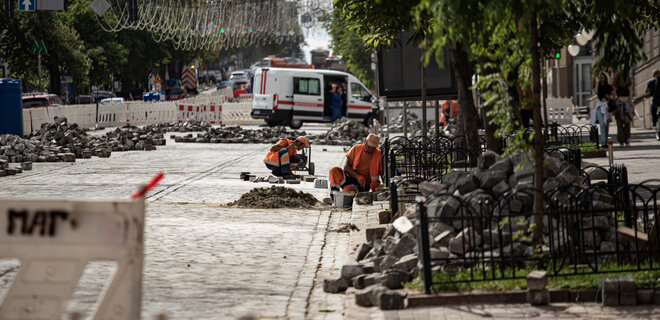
<point x="362" y="170"/>
<point x="447" y="111"/>
<point x="283" y="156"/>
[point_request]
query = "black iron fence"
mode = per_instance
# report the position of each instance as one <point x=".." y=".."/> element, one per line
<point x="568" y="136"/>
<point x="424" y="157"/>
<point x="596" y="228"/>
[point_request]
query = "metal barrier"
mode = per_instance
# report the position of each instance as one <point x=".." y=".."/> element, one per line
<point x="584" y="232"/>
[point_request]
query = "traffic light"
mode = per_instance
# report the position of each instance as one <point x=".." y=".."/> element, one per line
<point x="251" y="30"/>
<point x="557" y="54"/>
<point x="222" y="30"/>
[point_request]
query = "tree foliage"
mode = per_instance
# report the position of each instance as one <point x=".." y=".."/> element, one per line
<point x="348" y="44"/>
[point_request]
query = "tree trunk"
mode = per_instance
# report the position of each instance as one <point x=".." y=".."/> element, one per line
<point x="492" y="142"/>
<point x="468" y="119"/>
<point x="537" y="233"/>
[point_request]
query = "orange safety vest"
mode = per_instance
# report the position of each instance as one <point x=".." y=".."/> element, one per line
<point x="375" y="169"/>
<point x="273" y="157"/>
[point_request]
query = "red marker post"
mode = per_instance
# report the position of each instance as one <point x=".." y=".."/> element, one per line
<point x="154" y="182"/>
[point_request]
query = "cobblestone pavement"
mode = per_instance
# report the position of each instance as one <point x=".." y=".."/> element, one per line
<point x="203" y="260"/>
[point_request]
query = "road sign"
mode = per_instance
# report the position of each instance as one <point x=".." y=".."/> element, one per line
<point x="39" y="47"/>
<point x="26" y="5"/>
<point x="189" y="78"/>
<point x="54" y="241"/>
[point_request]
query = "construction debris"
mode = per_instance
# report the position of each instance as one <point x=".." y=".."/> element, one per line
<point x="343" y="132"/>
<point x="275" y="197"/>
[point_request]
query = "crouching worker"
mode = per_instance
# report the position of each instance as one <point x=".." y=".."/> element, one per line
<point x="283" y="156"/>
<point x="362" y="170"/>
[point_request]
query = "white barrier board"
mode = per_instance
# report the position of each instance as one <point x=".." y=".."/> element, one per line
<point x="54" y="241"/>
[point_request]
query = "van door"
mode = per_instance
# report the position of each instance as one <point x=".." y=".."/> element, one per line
<point x="359" y="101"/>
<point x="307" y="97"/>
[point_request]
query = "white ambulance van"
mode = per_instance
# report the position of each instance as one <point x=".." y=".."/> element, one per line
<point x="287" y="96"/>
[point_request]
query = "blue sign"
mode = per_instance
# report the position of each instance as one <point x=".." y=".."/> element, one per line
<point x="26" y="5"/>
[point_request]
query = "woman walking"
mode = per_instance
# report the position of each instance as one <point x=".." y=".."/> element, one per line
<point x="604" y="92"/>
<point x="624" y="112"/>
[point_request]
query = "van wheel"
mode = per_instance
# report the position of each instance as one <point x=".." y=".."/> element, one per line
<point x="295" y="124"/>
<point x="271" y="123"/>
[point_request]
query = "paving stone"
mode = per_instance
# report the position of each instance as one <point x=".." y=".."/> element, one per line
<point x="404" y="246"/>
<point x="501" y="188"/>
<point x="439" y="253"/>
<point x="384" y="217"/>
<point x="350" y="271"/>
<point x="387" y="262"/>
<point x="394" y="278"/>
<point x="467" y="184"/>
<point x="442" y="240"/>
<point x="391" y="300"/>
<point x="428" y="188"/>
<point x="335" y="285"/>
<point x="26" y="165"/>
<point x="374" y="233"/>
<point x="491" y="178"/>
<point x="464" y="241"/>
<point x="406" y="263"/>
<point x="292" y="181"/>
<point x="364" y="198"/>
<point x="362" y="251"/>
<point x="402" y="225"/>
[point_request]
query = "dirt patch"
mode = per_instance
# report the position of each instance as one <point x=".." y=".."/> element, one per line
<point x="275" y="197"/>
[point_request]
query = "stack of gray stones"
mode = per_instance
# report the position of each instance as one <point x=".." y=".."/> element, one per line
<point x="236" y="134"/>
<point x="389" y="258"/>
<point x="60" y="141"/>
<point x="343" y="132"/>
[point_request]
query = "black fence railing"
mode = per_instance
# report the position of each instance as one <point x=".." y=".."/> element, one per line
<point x="586" y="230"/>
<point x="424" y="157"/>
<point x="568" y="136"/>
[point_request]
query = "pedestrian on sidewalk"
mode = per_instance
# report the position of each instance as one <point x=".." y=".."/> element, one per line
<point x="604" y="91"/>
<point x="624" y="114"/>
<point x="653" y="87"/>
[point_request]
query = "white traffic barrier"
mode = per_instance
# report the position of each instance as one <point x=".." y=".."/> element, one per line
<point x="132" y="112"/>
<point x="54" y="241"/>
<point x="238" y="113"/>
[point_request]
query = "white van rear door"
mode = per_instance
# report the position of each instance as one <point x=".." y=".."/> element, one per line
<point x="359" y="101"/>
<point x="308" y="97"/>
<point x="261" y="100"/>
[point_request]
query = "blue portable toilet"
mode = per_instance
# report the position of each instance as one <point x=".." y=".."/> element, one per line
<point x="11" y="107"/>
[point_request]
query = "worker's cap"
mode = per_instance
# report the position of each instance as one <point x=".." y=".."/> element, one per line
<point x="304" y="141"/>
<point x="372" y="140"/>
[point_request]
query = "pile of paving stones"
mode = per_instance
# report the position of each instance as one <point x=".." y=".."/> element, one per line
<point x="188" y="126"/>
<point x="60" y="141"/>
<point x="275" y="197"/>
<point x="343" y="132"/>
<point x="236" y="134"/>
<point x="389" y="258"/>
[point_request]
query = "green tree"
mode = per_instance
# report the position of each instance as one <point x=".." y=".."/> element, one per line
<point x="348" y="44"/>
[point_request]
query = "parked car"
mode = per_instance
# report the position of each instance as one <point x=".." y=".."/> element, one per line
<point x="36" y="100"/>
<point x="84" y="100"/>
<point x="100" y="95"/>
<point x="225" y="84"/>
<point x="111" y="100"/>
<point x="175" y="94"/>
<point x="239" y="75"/>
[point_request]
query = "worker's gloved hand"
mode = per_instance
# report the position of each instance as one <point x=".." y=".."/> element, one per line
<point x="362" y="180"/>
<point x="374" y="185"/>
